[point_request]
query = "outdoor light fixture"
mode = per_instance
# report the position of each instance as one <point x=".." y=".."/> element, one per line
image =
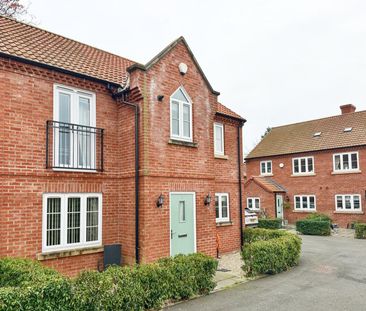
<point x="160" y="201"/>
<point x="160" y="98"/>
<point x="183" y="68"/>
<point x="207" y="199"/>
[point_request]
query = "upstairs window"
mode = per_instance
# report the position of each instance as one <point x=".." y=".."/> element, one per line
<point x="305" y="202"/>
<point x="345" y="162"/>
<point x="180" y="116"/>
<point x="266" y="167"/>
<point x="348" y="202"/>
<point x="253" y="204"/>
<point x="303" y="165"/>
<point x="219" y="138"/>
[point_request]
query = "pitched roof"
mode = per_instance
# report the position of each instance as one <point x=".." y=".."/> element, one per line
<point x="299" y="137"/>
<point x="267" y="184"/>
<point x="221" y="109"/>
<point x="41" y="46"/>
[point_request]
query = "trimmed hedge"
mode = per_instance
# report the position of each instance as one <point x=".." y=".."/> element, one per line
<point x="270" y="223"/>
<point x="360" y="231"/>
<point x="319" y="217"/>
<point x="269" y="251"/>
<point x="27" y="285"/>
<point x="313" y="227"/>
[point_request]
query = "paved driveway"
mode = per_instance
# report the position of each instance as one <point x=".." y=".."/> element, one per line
<point x="331" y="276"/>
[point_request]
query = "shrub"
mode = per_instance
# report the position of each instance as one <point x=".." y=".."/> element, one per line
<point x="270" y="223"/>
<point x="320" y="217"/>
<point x="269" y="251"/>
<point x="313" y="227"/>
<point x="360" y="232"/>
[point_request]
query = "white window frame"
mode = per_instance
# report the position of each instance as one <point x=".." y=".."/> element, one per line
<point x="266" y="168"/>
<point x="219" y="126"/>
<point x="308" y="209"/>
<point x="253" y="203"/>
<point x="220" y="218"/>
<point x="75" y="94"/>
<point x="83" y="211"/>
<point x="307" y="172"/>
<point x="336" y="170"/>
<point x="352" y="209"/>
<point x="181" y="121"/>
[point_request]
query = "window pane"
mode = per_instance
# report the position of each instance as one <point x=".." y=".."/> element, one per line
<point x="92" y="219"/>
<point x="339" y="202"/>
<point x="354" y="160"/>
<point x="310" y="165"/>
<point x="217" y="206"/>
<point x="347" y="200"/>
<point x="297" y="203"/>
<point x="218" y="139"/>
<point x="263" y="167"/>
<point x="304" y="202"/>
<point x="186" y="121"/>
<point x="303" y="166"/>
<point x="356" y="202"/>
<point x="257" y="203"/>
<point x="312" y="202"/>
<point x="182" y="211"/>
<point x="73" y="220"/>
<point x="269" y="167"/>
<point x="224" y="206"/>
<point x="53" y="232"/>
<point x="64" y="107"/>
<point x="250" y="203"/>
<point x="179" y="95"/>
<point x="175" y="118"/>
<point x="63" y="132"/>
<point x="337" y="160"/>
<point x="345" y="162"/>
<point x="296" y="166"/>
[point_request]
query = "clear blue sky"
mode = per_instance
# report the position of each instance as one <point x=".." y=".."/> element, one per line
<point x="274" y="62"/>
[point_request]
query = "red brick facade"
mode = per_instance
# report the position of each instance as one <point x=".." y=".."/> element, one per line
<point x="324" y="185"/>
<point x="26" y="103"/>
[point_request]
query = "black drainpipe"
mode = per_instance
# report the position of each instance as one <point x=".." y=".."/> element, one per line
<point x="240" y="160"/>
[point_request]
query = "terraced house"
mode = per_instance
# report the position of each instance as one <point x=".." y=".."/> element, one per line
<point x="312" y="166"/>
<point x="99" y="151"/>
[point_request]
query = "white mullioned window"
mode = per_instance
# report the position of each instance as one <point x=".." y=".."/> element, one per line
<point x="266" y="167"/>
<point x="74" y="138"/>
<point x="303" y="165"/>
<point x="305" y="202"/>
<point x="71" y="221"/>
<point x="348" y="202"/>
<point x="222" y="207"/>
<point x="254" y="203"/>
<point x="181" y="115"/>
<point x="345" y="162"/>
<point x="219" y="138"/>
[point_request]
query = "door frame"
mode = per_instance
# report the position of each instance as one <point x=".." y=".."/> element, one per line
<point x="194" y="219"/>
<point x="281" y="195"/>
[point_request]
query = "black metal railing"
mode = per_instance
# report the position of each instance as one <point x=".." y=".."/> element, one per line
<point x="74" y="146"/>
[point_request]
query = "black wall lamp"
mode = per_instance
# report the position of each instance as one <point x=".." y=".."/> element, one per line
<point x="208" y="199"/>
<point x="160" y="98"/>
<point x="160" y="201"/>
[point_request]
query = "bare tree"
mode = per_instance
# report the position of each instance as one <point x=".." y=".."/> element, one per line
<point x="13" y="8"/>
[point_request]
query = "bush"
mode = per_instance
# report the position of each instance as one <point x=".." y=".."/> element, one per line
<point x="27" y="285"/>
<point x="360" y="232"/>
<point x="270" y="223"/>
<point x="313" y="227"/>
<point x="269" y="251"/>
<point x="318" y="216"/>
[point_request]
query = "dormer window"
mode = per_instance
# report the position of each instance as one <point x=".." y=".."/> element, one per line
<point x="181" y="115"/>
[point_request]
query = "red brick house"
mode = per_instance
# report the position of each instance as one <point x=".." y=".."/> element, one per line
<point x="313" y="166"/>
<point x="98" y="150"/>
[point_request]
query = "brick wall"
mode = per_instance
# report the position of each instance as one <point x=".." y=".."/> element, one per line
<point x="324" y="184"/>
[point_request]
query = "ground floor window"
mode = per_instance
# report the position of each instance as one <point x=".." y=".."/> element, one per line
<point x="71" y="220"/>
<point x="348" y="202"/>
<point x="222" y="207"/>
<point x="253" y="203"/>
<point x="305" y="202"/>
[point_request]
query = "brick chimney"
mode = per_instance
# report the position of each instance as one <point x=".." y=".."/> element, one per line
<point x="349" y="108"/>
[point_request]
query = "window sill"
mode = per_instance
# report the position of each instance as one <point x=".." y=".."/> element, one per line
<point x="304" y="211"/>
<point x="183" y="143"/>
<point x="266" y="175"/>
<point x="346" y="172"/>
<point x="74" y="170"/>
<point x="349" y="212"/>
<point x="221" y="156"/>
<point x="303" y="175"/>
<point x="224" y="223"/>
<point x="69" y="253"/>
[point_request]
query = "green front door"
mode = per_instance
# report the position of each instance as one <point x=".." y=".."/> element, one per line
<point x="182" y="223"/>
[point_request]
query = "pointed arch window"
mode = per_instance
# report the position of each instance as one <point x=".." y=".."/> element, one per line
<point x="180" y="115"/>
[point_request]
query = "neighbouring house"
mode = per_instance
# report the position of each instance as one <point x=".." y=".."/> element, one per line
<point x="313" y="166"/>
<point x="98" y="150"/>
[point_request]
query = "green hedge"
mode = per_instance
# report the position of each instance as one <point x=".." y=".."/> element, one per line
<point x="27" y="285"/>
<point x="313" y="227"/>
<point x="360" y="231"/>
<point x="319" y="217"/>
<point x="270" y="223"/>
<point x="269" y="251"/>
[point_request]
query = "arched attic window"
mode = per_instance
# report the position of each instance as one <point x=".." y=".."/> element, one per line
<point x="180" y="115"/>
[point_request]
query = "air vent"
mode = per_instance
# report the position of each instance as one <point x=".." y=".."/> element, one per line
<point x="347" y="129"/>
<point x="317" y="134"/>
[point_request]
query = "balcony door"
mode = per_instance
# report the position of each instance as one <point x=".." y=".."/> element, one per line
<point x="74" y="135"/>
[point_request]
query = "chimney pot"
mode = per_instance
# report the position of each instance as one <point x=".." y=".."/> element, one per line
<point x="349" y="108"/>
